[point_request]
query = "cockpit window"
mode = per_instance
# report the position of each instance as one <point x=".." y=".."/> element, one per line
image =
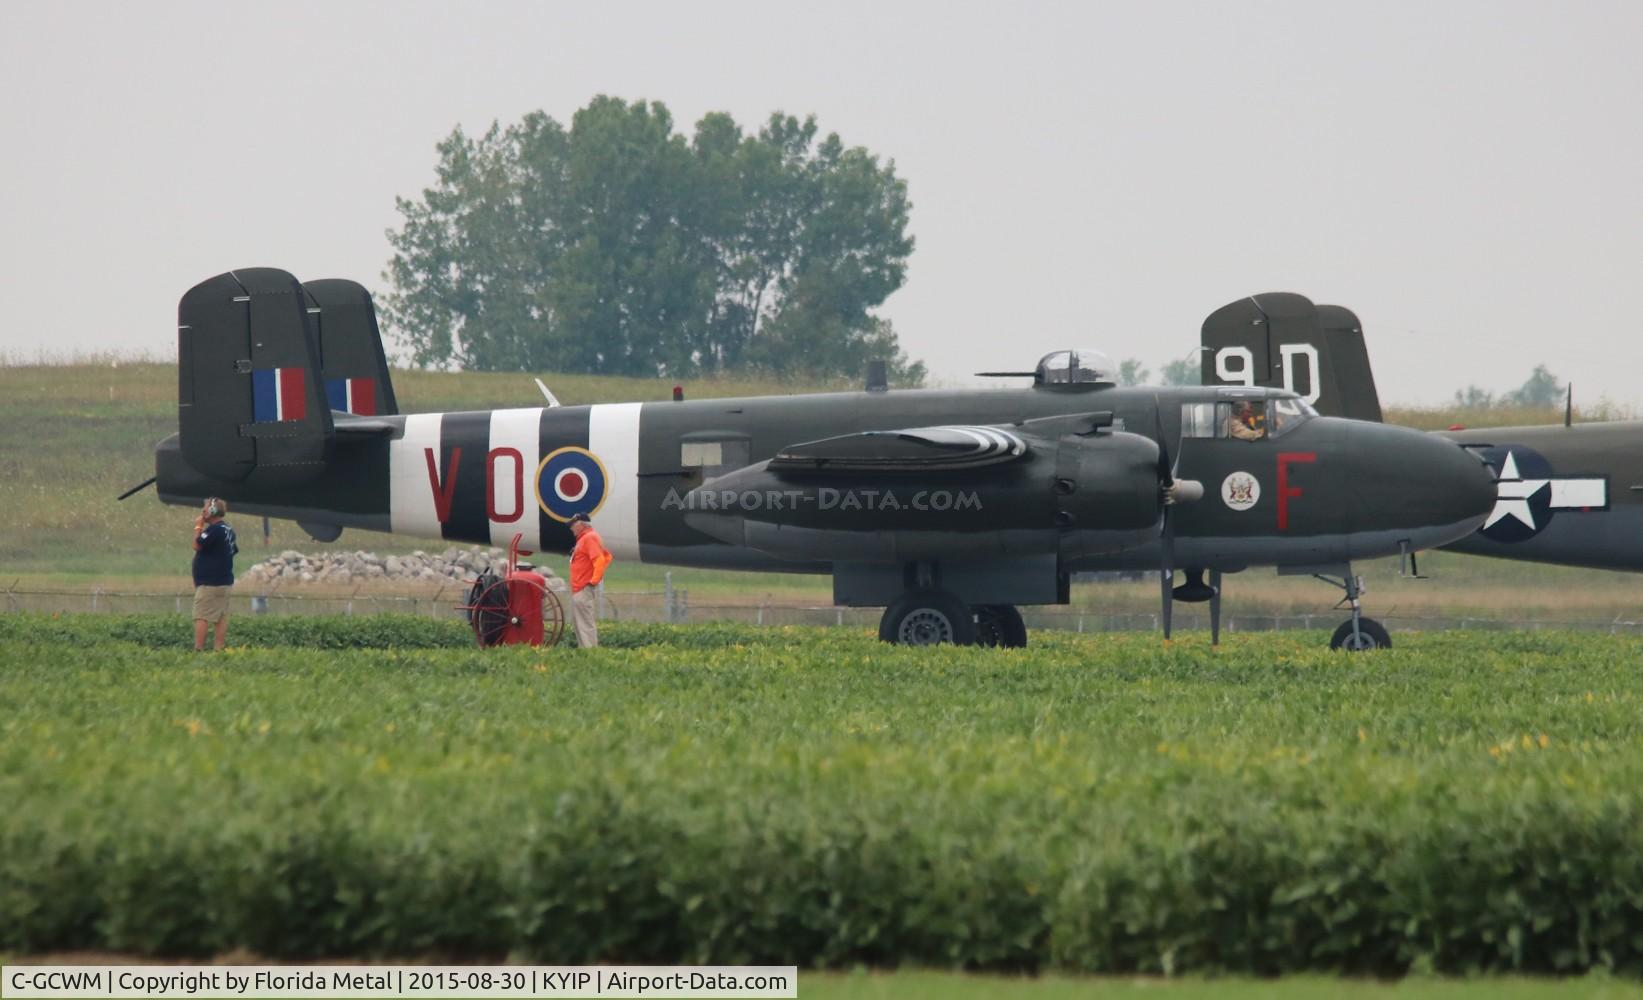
<point x="1244" y="419"/>
<point x="1198" y="420"/>
<point x="1287" y="414"/>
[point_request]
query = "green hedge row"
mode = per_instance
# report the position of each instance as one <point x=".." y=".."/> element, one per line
<point x="296" y="631"/>
<point x="811" y="796"/>
<point x="605" y="879"/>
<point x="384" y="631"/>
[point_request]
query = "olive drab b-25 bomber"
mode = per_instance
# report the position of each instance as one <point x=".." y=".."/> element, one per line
<point x="949" y="508"/>
<point x="1568" y="493"/>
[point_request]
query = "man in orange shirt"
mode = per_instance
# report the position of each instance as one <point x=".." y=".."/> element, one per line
<point x="587" y="570"/>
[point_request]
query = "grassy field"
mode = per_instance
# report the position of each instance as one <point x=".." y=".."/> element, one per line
<point x="73" y="436"/>
<point x="720" y="794"/>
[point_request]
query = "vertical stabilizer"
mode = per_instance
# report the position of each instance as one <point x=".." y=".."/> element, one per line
<point x="1281" y="340"/>
<point x="250" y="402"/>
<point x="353" y="367"/>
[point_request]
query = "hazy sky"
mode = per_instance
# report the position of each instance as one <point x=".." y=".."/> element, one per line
<point x="1468" y="176"/>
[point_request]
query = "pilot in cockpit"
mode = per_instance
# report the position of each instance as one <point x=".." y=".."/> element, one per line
<point x="1245" y="422"/>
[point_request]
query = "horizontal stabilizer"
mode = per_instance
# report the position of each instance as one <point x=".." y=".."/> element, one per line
<point x="919" y="449"/>
<point x="350" y="426"/>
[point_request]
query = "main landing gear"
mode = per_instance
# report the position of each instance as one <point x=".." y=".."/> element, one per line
<point x="927" y="617"/>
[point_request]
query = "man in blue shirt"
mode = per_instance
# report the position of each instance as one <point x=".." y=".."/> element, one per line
<point x="214" y="550"/>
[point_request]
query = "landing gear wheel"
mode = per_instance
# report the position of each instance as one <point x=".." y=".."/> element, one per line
<point x="999" y="625"/>
<point x="928" y="617"/>
<point x="1371" y="635"/>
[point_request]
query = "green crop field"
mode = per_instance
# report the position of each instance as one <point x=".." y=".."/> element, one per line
<point x="715" y="794"/>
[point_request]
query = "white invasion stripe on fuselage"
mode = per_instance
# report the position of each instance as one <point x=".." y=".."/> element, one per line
<point x="411" y="508"/>
<point x="520" y="430"/>
<point x="613" y="435"/>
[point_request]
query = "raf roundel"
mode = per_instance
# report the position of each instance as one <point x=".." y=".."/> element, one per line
<point x="570" y="481"/>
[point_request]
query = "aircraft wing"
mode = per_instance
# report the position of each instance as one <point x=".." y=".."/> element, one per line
<point x="916" y="449"/>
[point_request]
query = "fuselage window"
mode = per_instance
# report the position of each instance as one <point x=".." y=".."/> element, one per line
<point x="715" y="458"/>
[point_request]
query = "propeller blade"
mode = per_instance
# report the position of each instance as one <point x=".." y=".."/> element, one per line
<point x="1215" y="607"/>
<point x="1166" y="571"/>
<point x="1166" y="469"/>
<point x="1166" y="580"/>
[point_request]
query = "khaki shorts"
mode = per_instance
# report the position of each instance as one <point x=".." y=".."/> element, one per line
<point x="211" y="603"/>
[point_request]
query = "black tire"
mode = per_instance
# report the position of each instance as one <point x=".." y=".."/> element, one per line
<point x="1371" y="635"/>
<point x="1000" y="625"/>
<point x="926" y="618"/>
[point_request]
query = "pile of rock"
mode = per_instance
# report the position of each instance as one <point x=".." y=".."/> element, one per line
<point x="454" y="565"/>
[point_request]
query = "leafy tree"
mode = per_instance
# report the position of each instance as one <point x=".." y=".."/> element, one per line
<point x="1182" y="371"/>
<point x="619" y="246"/>
<point x="1541" y="389"/>
<point x="1474" y="398"/>
<point x="1130" y="372"/>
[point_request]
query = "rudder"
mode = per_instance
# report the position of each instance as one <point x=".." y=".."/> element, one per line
<point x="352" y="363"/>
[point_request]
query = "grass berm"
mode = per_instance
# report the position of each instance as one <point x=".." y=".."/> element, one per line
<point x="719" y="794"/>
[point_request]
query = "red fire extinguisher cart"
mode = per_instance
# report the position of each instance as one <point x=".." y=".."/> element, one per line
<point x="516" y="608"/>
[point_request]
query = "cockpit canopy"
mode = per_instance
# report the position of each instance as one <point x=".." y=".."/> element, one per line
<point x="1245" y="415"/>
<point x="1081" y="366"/>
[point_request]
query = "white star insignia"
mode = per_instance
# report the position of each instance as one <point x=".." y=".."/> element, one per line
<point x="1512" y="493"/>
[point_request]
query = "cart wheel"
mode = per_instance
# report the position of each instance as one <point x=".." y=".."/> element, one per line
<point x="491" y="617"/>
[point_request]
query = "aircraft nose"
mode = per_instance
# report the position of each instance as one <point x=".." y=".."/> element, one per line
<point x="1468" y="481"/>
<point x="1444" y="487"/>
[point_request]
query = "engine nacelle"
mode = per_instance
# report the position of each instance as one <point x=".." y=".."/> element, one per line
<point x="1073" y="496"/>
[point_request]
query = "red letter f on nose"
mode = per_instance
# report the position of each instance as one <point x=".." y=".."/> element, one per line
<point x="1286" y="491"/>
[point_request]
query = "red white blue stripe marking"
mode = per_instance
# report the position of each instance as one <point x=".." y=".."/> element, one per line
<point x="352" y="395"/>
<point x="278" y="394"/>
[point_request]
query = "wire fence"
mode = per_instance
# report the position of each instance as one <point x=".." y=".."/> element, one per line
<point x="674" y="605"/>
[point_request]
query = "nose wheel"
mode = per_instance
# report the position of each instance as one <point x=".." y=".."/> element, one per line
<point x="1357" y="634"/>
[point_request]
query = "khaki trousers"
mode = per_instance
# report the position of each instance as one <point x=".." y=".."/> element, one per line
<point x="584" y="605"/>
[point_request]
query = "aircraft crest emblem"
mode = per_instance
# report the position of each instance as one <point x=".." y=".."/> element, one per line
<point x="1240" y="491"/>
